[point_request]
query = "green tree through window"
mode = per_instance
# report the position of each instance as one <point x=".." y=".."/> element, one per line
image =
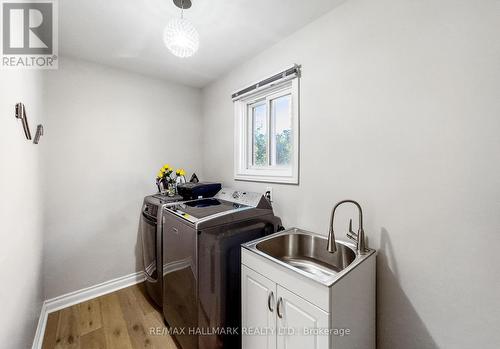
<point x="284" y="147"/>
<point x="260" y="147"/>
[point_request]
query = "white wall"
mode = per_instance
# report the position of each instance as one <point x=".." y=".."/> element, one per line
<point x="20" y="210"/>
<point x="107" y="134"/>
<point x="399" y="110"/>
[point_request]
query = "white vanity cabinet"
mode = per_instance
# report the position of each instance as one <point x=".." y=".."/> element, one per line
<point x="279" y="305"/>
<point x="258" y="310"/>
<point x="297" y="314"/>
<point x="279" y="314"/>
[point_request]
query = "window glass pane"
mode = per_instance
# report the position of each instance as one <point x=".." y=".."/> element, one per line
<point x="282" y="122"/>
<point x="260" y="135"/>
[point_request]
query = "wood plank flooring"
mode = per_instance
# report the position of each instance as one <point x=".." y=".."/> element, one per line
<point x="119" y="320"/>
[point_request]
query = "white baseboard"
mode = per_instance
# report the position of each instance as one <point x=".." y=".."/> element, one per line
<point x="91" y="292"/>
<point x="40" y="329"/>
<point x="72" y="298"/>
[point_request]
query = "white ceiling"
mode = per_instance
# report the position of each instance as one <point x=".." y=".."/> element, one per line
<point x="128" y="33"/>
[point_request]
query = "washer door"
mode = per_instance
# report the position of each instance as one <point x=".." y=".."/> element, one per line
<point x="180" y="297"/>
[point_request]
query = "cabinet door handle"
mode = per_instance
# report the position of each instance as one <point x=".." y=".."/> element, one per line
<point x="270" y="300"/>
<point x="278" y="307"/>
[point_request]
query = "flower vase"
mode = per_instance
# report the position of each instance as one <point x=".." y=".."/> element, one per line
<point x="171" y="189"/>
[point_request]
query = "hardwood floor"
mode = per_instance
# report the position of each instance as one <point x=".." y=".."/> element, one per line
<point x="120" y="320"/>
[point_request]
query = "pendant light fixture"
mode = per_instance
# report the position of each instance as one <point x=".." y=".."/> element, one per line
<point x="180" y="36"/>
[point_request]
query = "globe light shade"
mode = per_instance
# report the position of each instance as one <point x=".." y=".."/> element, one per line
<point x="181" y="37"/>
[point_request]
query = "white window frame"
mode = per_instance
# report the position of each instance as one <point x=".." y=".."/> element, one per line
<point x="243" y="147"/>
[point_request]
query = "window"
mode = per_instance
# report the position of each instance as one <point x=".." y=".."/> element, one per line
<point x="266" y="134"/>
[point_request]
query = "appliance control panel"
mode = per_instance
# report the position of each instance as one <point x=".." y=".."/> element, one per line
<point x="247" y="198"/>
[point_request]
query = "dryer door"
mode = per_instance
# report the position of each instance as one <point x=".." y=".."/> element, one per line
<point x="149" y="238"/>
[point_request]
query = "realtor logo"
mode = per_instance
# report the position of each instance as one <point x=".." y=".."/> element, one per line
<point x="29" y="34"/>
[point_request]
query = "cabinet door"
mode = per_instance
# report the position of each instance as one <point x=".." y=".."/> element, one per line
<point x="294" y="315"/>
<point x="258" y="295"/>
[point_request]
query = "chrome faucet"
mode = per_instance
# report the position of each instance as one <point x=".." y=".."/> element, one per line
<point x="359" y="237"/>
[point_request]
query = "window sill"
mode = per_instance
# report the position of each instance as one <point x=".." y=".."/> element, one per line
<point x="267" y="179"/>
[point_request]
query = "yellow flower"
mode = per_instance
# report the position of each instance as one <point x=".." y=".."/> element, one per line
<point x="180" y="172"/>
<point x="166" y="167"/>
<point x="160" y="174"/>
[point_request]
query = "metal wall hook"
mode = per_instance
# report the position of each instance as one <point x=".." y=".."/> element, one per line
<point x="38" y="134"/>
<point x="21" y="114"/>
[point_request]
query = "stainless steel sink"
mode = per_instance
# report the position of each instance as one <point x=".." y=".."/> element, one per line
<point x="306" y="253"/>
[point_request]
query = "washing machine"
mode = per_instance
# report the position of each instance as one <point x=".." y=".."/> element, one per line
<point x="202" y="258"/>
